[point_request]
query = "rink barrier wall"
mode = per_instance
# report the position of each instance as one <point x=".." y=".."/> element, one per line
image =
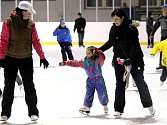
<point x="96" y="33"/>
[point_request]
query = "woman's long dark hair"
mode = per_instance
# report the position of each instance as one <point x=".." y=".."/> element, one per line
<point x="19" y="12"/>
<point x="120" y="13"/>
<point x="23" y="23"/>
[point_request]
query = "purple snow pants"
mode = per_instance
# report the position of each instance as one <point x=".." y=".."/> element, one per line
<point x="97" y="84"/>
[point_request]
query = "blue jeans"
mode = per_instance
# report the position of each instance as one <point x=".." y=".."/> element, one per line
<point x="80" y="37"/>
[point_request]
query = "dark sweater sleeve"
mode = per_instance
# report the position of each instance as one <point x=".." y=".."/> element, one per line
<point x="108" y="44"/>
<point x="135" y="46"/>
<point x="75" y="25"/>
<point x="156" y="26"/>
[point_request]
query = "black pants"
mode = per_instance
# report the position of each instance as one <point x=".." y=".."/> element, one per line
<point x="137" y="74"/>
<point x="25" y="66"/>
<point x="160" y="57"/>
<point x="80" y="37"/>
<point x="163" y="74"/>
<point x="66" y="48"/>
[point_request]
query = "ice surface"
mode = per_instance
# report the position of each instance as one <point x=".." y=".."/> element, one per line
<point x="61" y="91"/>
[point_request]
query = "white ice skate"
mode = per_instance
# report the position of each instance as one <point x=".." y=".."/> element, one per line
<point x="19" y="80"/>
<point x="105" y="108"/>
<point x="161" y="83"/>
<point x="85" y="110"/>
<point x="22" y="89"/>
<point x="3" y="118"/>
<point x="117" y="114"/>
<point x="151" y="110"/>
<point x="34" y="118"/>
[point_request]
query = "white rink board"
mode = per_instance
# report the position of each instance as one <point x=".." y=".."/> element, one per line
<point x="94" y="32"/>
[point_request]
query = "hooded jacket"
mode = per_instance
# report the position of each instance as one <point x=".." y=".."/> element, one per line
<point x="93" y="67"/>
<point x="125" y="42"/>
<point x="63" y="34"/>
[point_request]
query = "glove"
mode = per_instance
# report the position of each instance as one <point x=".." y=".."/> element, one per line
<point x="127" y="62"/>
<point x="62" y="63"/>
<point x="44" y="62"/>
<point x="2" y="63"/>
<point x="70" y="44"/>
<point x="96" y="53"/>
<point x="152" y="55"/>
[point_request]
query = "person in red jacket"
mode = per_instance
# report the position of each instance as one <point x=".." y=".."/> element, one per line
<point x="17" y="38"/>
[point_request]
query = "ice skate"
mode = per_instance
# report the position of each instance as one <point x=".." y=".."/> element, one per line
<point x="19" y="80"/>
<point x="0" y="93"/>
<point x="34" y="118"/>
<point x="3" y="118"/>
<point x="105" y="108"/>
<point x="85" y="110"/>
<point x="161" y="83"/>
<point x="159" y="67"/>
<point x="151" y="110"/>
<point x="117" y="114"/>
<point x="22" y="89"/>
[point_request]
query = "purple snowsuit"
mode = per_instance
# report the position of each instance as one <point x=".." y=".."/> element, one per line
<point x="95" y="79"/>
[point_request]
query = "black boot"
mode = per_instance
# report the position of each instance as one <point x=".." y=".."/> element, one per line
<point x="0" y="92"/>
<point x="159" y="67"/>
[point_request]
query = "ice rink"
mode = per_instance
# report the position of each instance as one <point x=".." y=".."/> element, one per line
<point x="61" y="92"/>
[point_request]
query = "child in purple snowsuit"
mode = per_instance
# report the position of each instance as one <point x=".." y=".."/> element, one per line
<point x="92" y="64"/>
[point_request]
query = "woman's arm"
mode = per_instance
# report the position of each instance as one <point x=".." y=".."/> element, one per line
<point x="108" y="44"/>
<point x="4" y="41"/>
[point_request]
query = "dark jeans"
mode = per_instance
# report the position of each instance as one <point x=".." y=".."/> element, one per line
<point x="137" y="74"/>
<point x="66" y="48"/>
<point x="150" y="41"/>
<point x="25" y="66"/>
<point x="80" y="37"/>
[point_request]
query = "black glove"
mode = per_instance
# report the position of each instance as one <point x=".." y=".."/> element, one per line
<point x="127" y="62"/>
<point x="45" y="63"/>
<point x="2" y="63"/>
<point x="70" y="44"/>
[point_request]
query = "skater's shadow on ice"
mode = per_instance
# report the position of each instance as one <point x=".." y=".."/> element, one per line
<point x="103" y="116"/>
<point x="8" y="123"/>
<point x="141" y="120"/>
<point x="132" y="90"/>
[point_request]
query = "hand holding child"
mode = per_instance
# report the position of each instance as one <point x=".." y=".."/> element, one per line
<point x="96" y="53"/>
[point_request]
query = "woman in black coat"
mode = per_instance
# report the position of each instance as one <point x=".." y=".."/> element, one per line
<point x="123" y="37"/>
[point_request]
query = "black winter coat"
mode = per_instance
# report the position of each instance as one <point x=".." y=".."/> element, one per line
<point x="149" y="24"/>
<point x="125" y="42"/>
<point x="80" y="23"/>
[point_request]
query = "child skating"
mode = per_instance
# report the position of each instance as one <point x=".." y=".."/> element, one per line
<point x="92" y="64"/>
